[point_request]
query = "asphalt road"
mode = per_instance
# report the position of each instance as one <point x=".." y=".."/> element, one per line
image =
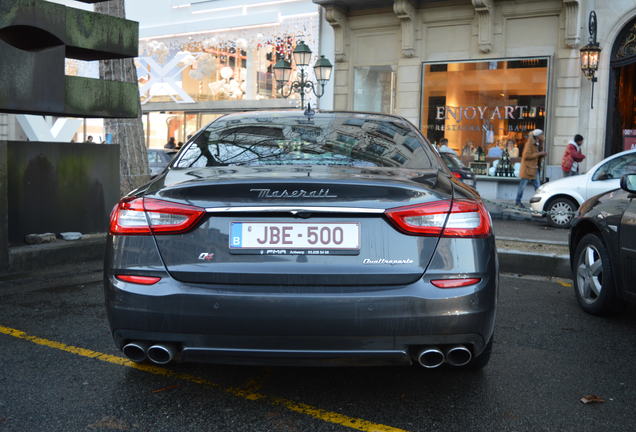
<point x="547" y="355"/>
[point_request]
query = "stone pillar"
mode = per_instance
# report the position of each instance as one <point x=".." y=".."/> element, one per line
<point x="4" y="209"/>
<point x="251" y="77"/>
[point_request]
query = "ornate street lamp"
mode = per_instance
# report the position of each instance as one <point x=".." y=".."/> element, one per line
<point x="590" y="55"/>
<point x="302" y="86"/>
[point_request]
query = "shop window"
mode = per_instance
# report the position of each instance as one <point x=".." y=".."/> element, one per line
<point x="374" y="89"/>
<point x="478" y="106"/>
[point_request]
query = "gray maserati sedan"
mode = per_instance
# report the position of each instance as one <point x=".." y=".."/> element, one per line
<point x="315" y="238"/>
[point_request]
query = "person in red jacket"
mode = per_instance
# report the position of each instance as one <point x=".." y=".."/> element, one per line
<point x="572" y="157"/>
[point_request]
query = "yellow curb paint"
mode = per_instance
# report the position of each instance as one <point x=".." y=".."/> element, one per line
<point x="565" y="284"/>
<point x="301" y="408"/>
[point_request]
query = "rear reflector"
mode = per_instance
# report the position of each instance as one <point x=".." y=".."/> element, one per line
<point x="455" y="283"/>
<point x="141" y="280"/>
<point x="143" y="216"/>
<point x="458" y="218"/>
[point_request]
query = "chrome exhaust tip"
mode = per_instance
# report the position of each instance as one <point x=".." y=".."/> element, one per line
<point x="161" y="353"/>
<point x="135" y="351"/>
<point x="430" y="358"/>
<point x="458" y="356"/>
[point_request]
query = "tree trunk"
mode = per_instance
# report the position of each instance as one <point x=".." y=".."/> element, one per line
<point x="128" y="133"/>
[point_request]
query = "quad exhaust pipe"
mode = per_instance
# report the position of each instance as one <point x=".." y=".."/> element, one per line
<point x="161" y="353"/>
<point x="430" y="358"/>
<point x="458" y="356"/>
<point x="433" y="357"/>
<point x="135" y="351"/>
<point x="158" y="353"/>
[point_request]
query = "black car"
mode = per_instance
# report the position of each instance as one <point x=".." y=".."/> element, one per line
<point x="291" y="238"/>
<point x="603" y="249"/>
<point x="458" y="169"/>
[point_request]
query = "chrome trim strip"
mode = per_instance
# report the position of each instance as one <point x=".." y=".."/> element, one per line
<point x="294" y="209"/>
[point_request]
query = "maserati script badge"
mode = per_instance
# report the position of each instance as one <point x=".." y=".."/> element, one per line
<point x="297" y="193"/>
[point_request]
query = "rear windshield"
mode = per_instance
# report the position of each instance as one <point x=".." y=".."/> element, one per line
<point x="360" y="140"/>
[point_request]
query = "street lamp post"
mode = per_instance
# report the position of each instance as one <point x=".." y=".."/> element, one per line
<point x="303" y="85"/>
<point x="590" y="55"/>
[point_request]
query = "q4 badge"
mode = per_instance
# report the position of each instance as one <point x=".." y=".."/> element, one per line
<point x="206" y="256"/>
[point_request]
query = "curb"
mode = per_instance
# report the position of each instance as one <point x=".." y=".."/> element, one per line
<point x="534" y="263"/>
<point x="59" y="253"/>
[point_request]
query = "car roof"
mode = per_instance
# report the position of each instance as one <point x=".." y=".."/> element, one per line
<point x="609" y="158"/>
<point x="318" y="113"/>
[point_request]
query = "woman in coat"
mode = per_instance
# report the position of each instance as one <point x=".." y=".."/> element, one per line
<point x="529" y="172"/>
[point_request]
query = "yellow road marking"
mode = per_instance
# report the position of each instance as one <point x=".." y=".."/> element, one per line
<point x="311" y="411"/>
<point x="565" y="284"/>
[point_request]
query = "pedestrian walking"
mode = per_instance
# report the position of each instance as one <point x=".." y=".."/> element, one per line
<point x="572" y="157"/>
<point x="529" y="172"/>
<point x="171" y="144"/>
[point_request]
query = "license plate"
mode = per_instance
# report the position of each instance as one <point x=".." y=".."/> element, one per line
<point x="295" y="238"/>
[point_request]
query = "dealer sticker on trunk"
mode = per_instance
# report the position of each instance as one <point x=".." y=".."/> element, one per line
<point x="295" y="238"/>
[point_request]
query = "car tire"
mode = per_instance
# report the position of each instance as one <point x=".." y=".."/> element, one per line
<point x="594" y="285"/>
<point x="480" y="362"/>
<point x="561" y="212"/>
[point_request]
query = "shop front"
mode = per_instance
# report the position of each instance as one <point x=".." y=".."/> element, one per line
<point x="186" y="81"/>
<point x="485" y="110"/>
<point x="484" y="73"/>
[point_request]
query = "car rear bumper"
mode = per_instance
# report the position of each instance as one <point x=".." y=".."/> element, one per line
<point x="223" y="324"/>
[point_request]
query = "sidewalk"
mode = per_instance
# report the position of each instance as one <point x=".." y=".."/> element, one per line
<point x="534" y="229"/>
<point x="506" y="210"/>
<point x="532" y="248"/>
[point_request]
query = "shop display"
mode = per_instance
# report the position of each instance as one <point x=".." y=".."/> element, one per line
<point x="481" y="105"/>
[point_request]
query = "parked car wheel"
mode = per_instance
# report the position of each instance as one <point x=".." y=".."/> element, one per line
<point x="561" y="212"/>
<point x="593" y="278"/>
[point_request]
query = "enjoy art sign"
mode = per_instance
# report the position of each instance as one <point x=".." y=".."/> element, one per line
<point x="506" y="112"/>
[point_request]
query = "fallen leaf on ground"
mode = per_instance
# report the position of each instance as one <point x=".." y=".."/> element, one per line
<point x="592" y="399"/>
<point x="165" y="388"/>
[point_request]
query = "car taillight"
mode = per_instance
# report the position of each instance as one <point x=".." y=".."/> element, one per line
<point x="456" y="174"/>
<point x="458" y="218"/>
<point x="139" y="280"/>
<point x="143" y="216"/>
<point x="455" y="283"/>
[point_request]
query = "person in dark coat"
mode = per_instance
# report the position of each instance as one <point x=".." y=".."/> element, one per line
<point x="171" y="144"/>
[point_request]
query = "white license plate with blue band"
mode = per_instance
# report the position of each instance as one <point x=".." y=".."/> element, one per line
<point x="295" y="238"/>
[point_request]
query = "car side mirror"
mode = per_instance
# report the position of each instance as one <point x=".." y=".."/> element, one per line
<point x="628" y="183"/>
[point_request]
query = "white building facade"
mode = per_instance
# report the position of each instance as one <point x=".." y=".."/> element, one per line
<point x="483" y="73"/>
